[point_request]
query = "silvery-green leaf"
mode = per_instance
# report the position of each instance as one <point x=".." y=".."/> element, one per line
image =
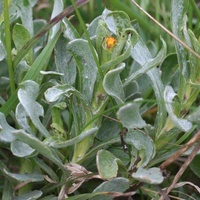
<point x="142" y="55"/>
<point x="113" y="85"/>
<point x="65" y="63"/>
<point x="181" y="124"/>
<point x="20" y="36"/>
<point x="20" y="71"/>
<point x="118" y="184"/>
<point x="142" y="143"/>
<point x="39" y="146"/>
<point x="86" y="66"/>
<point x="33" y="195"/>
<point x="117" y="60"/>
<point x="54" y="93"/>
<point x="25" y="11"/>
<point x="130" y="116"/>
<point x="21" y="149"/>
<point x="57" y="92"/>
<point x="106" y="164"/>
<point x="151" y="175"/>
<point x="70" y="32"/>
<point x="179" y="10"/>
<point x="22" y="118"/>
<point x="194" y="116"/>
<point x="57" y="143"/>
<point x="5" y="130"/>
<point x="51" y="73"/>
<point x="25" y="177"/>
<point x="27" y="95"/>
<point x="116" y="21"/>
<point x="57" y="9"/>
<point x="2" y="51"/>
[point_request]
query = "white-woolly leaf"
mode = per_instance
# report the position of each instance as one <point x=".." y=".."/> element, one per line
<point x="151" y="175"/>
<point x="27" y="95"/>
<point x="86" y="65"/>
<point x="130" y="117"/>
<point x="142" y="143"/>
<point x="21" y="149"/>
<point x="5" y="130"/>
<point x="113" y="85"/>
<point x="106" y="164"/>
<point x="33" y="195"/>
<point x="181" y="124"/>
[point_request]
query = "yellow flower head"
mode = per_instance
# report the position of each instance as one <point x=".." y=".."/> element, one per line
<point x="110" y="42"/>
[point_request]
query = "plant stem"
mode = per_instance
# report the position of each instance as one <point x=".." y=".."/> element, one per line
<point x="8" y="45"/>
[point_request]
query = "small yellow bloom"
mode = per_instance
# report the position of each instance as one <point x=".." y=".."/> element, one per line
<point x="110" y="42"/>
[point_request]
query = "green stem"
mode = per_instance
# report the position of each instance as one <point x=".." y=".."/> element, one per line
<point x="26" y="168"/>
<point x="8" y="45"/>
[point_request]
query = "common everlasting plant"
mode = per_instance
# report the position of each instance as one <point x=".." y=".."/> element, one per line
<point x="99" y="114"/>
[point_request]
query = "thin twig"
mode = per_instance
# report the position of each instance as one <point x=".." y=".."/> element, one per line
<point x="182" y="169"/>
<point x="189" y="144"/>
<point x="167" y="31"/>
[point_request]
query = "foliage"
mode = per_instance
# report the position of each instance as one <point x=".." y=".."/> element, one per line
<point x="99" y="111"/>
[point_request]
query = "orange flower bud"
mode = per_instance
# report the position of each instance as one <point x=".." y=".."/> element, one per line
<point x="110" y="42"/>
